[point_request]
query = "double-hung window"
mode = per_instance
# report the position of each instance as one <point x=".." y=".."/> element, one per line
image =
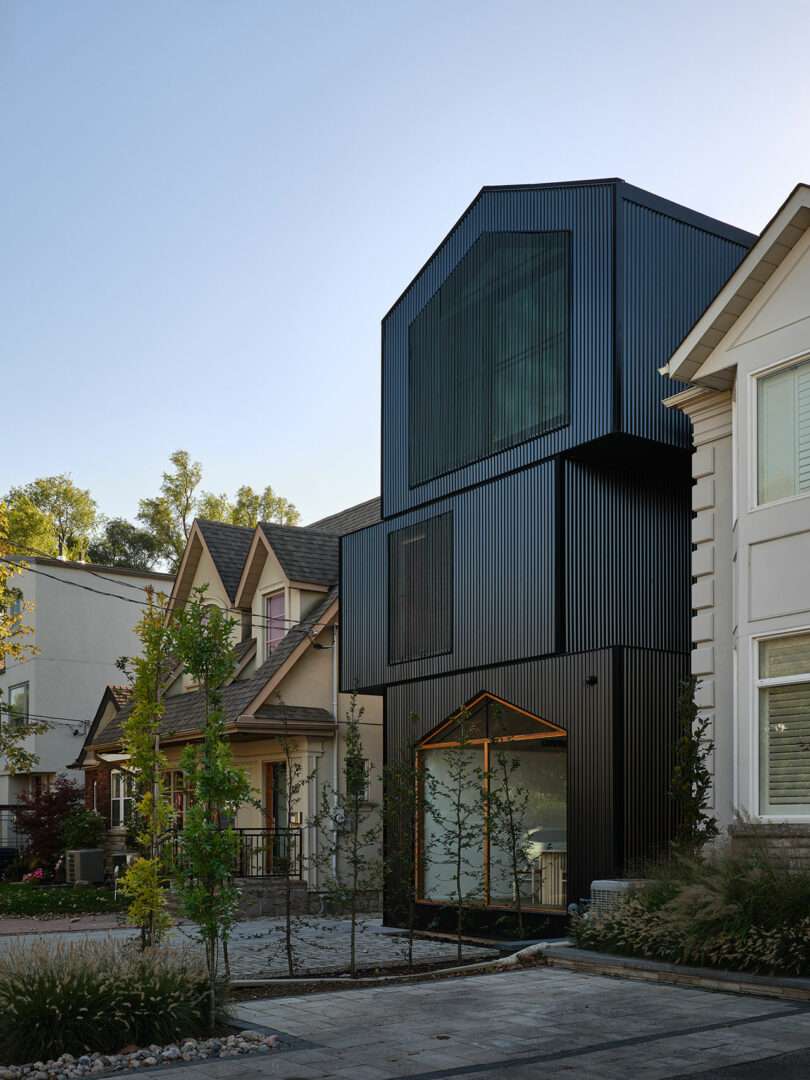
<point x="783" y="433"/>
<point x="17" y="708"/>
<point x="120" y="797"/>
<point x="783" y="686"/>
<point x="275" y="625"/>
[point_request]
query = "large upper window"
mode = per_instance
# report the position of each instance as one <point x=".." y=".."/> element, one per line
<point x="488" y="354"/>
<point x="420" y="589"/>
<point x="784" y="725"/>
<point x="783" y="434"/>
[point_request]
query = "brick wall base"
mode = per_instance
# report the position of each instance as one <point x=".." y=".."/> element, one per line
<point x="788" y="843"/>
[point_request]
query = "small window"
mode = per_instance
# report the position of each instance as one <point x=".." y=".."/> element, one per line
<point x="275" y="621"/>
<point x="783" y="434"/>
<point x="17" y="708"/>
<point x="784" y="725"/>
<point x="121" y="789"/>
<point x="175" y="794"/>
<point x="420" y="589"/>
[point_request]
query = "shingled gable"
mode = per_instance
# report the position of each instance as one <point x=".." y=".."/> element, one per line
<point x="307" y="558"/>
<point x="245" y="702"/>
<point x="348" y="521"/>
<point x="228" y="546"/>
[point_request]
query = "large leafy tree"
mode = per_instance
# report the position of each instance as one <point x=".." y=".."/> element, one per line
<point x="14" y="646"/>
<point x="123" y="544"/>
<point x="51" y="515"/>
<point x="249" y="507"/>
<point x="170" y="515"/>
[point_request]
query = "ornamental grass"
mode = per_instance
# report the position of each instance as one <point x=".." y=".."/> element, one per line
<point x="96" y="996"/>
<point x="739" y="912"/>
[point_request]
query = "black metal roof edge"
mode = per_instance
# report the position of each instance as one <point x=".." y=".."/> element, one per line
<point x="686" y="214"/>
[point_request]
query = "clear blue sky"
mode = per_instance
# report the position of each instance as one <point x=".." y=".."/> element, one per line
<point x="207" y="207"/>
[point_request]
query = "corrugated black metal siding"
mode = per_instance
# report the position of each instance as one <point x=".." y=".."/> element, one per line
<point x="503" y="582"/>
<point x="671" y="270"/>
<point x="586" y="211"/>
<point x="627" y="548"/>
<point x="556" y="689"/>
<point x="651" y="684"/>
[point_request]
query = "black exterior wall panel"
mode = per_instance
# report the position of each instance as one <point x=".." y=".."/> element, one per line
<point x="556" y="689"/>
<point x="670" y="271"/>
<point x="627" y="555"/>
<point x="585" y="212"/>
<point x="503" y="583"/>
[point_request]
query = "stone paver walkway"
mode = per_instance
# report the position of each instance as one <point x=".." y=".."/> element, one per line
<point x="518" y="1025"/>
<point x="321" y="945"/>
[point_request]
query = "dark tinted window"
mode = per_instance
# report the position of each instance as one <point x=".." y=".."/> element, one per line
<point x="420" y="590"/>
<point x="488" y="354"/>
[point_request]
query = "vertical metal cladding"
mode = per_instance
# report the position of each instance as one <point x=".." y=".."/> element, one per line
<point x="671" y="270"/>
<point x="420" y="589"/>
<point x="651" y="684"/>
<point x="627" y="547"/>
<point x="584" y="211"/>
<point x="503" y="582"/>
<point x="574" y="692"/>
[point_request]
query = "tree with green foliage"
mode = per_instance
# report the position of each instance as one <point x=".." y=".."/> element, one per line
<point x="15" y="646"/>
<point x="120" y="543"/>
<point x="170" y="515"/>
<point x="691" y="779"/>
<point x="202" y="641"/>
<point x="351" y="828"/>
<point x="507" y="807"/>
<point x="52" y="511"/>
<point x="248" y="508"/>
<point x="144" y="882"/>
<point x="457" y="815"/>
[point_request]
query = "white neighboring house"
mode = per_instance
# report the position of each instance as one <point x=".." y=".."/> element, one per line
<point x="79" y="635"/>
<point x="748" y="362"/>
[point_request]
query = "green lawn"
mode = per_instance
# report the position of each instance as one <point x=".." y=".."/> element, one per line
<point x="35" y="900"/>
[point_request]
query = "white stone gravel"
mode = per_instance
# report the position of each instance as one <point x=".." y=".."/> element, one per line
<point x="68" y="1067"/>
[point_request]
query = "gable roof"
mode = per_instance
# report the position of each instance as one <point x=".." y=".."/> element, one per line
<point x="305" y="554"/>
<point x="691" y="360"/>
<point x="182" y="711"/>
<point x="350" y="520"/>
<point x="228" y="546"/>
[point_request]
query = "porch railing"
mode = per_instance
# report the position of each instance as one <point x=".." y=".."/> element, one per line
<point x="9" y="837"/>
<point x="260" y="853"/>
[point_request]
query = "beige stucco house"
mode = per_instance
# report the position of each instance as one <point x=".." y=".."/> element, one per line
<point x="747" y="361"/>
<point x="280" y="584"/>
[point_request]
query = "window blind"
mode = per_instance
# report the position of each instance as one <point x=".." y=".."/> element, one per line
<point x="784" y="716"/>
<point x="420" y="589"/>
<point x="783" y="430"/>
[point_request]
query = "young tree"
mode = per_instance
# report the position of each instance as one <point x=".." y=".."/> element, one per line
<point x="42" y="816"/>
<point x="457" y="814"/>
<point x="55" y="503"/>
<point x="507" y="805"/>
<point x="15" y="727"/>
<point x="691" y="779"/>
<point x="143" y="882"/>
<point x="201" y="636"/>
<point x="123" y="544"/>
<point x="170" y="515"/>
<point x="404" y="797"/>
<point x="354" y="828"/>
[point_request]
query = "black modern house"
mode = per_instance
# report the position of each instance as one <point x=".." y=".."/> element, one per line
<point x="532" y="562"/>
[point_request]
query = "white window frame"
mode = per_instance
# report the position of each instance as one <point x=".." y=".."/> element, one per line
<point x="758" y="684"/>
<point x="753" y="411"/>
<point x="266" y="597"/>
<point x="12" y="721"/>
<point x="122" y="799"/>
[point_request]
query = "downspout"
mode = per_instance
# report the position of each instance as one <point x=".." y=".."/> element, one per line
<point x="335" y="771"/>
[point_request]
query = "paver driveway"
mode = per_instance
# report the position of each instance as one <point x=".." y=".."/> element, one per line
<point x="535" y="1023"/>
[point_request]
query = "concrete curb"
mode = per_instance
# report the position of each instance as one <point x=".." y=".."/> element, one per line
<point x="785" y="988"/>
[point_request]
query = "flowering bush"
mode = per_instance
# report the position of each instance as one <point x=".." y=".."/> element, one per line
<point x="36" y="877"/>
<point x="71" y="999"/>
<point x="744" y="913"/>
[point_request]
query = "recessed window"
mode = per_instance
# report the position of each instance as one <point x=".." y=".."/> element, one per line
<point x="18" y="705"/>
<point x="784" y="725"/>
<point x="420" y="589"/>
<point x="488" y="354"/>
<point x="783" y="434"/>
<point x="275" y="620"/>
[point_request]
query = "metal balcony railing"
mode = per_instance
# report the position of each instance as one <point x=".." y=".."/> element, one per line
<point x="260" y="853"/>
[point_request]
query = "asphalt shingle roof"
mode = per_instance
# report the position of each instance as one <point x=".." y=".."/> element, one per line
<point x="229" y="545"/>
<point x="305" y="554"/>
<point x="183" y="711"/>
<point x="350" y="520"/>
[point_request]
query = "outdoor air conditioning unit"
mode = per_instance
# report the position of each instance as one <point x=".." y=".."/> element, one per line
<point x="606" y="894"/>
<point x="84" y="865"/>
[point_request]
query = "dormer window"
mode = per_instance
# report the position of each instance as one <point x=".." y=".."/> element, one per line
<point x="275" y="620"/>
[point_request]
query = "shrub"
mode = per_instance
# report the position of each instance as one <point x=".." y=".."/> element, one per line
<point x="41" y="817"/>
<point x="747" y="913"/>
<point x="20" y="899"/>
<point x="82" y="829"/>
<point x="96" y="996"/>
